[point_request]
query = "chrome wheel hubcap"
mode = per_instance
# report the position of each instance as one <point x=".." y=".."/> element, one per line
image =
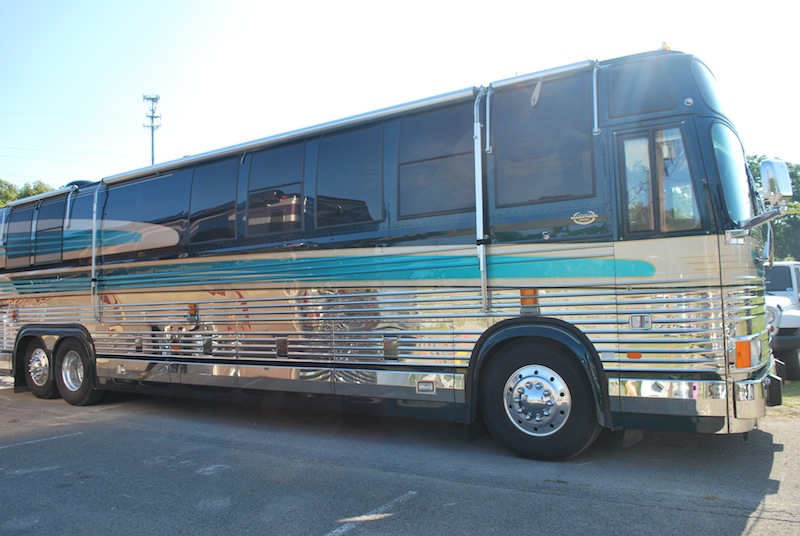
<point x="39" y="367"/>
<point x="72" y="370"/>
<point x="537" y="400"/>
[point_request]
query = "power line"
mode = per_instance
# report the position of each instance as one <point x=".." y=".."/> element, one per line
<point x="58" y="152"/>
<point x="62" y="114"/>
<point x="39" y="159"/>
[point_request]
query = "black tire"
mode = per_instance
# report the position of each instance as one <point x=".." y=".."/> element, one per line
<point x="40" y="371"/>
<point x="537" y="402"/>
<point x="791" y="368"/>
<point x="75" y="375"/>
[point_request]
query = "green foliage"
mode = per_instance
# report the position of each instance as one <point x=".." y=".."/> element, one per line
<point x="35" y="188"/>
<point x="787" y="228"/>
<point x="9" y="192"/>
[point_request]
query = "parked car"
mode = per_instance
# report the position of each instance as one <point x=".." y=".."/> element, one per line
<point x="783" y="315"/>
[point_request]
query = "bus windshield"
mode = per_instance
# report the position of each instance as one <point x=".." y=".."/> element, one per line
<point x="734" y="176"/>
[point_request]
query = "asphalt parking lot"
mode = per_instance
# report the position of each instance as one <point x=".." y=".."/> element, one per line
<point x="152" y="465"/>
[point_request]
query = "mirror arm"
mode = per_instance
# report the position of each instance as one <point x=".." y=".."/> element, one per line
<point x="761" y="219"/>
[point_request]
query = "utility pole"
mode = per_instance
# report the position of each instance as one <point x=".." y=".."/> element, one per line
<point x="153" y="100"/>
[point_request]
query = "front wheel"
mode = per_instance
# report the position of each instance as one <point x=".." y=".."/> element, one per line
<point x="75" y="375"/>
<point x="538" y="403"/>
<point x="39" y="371"/>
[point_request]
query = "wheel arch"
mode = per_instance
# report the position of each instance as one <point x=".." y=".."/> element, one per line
<point x="549" y="330"/>
<point x="51" y="337"/>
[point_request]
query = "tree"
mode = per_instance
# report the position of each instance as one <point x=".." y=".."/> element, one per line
<point x="31" y="189"/>
<point x="9" y="192"/>
<point x="786" y="229"/>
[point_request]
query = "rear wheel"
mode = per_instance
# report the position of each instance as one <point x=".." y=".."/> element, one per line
<point x="39" y="371"/>
<point x="75" y="374"/>
<point x="538" y="403"/>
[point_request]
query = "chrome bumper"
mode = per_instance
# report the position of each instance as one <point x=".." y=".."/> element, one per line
<point x="699" y="398"/>
<point x="5" y="363"/>
<point x="753" y="396"/>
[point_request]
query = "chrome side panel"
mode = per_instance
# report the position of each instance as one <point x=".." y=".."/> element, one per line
<point x="207" y="374"/>
<point x="135" y="370"/>
<point x="401" y="323"/>
<point x="702" y="398"/>
<point x="5" y="363"/>
<point x="401" y="385"/>
<point x="286" y="378"/>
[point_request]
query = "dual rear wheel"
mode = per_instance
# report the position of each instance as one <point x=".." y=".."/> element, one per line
<point x="68" y="375"/>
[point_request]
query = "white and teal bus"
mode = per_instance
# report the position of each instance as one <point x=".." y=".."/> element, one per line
<point x="570" y="250"/>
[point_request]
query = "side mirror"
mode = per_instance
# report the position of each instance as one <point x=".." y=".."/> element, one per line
<point x="775" y="183"/>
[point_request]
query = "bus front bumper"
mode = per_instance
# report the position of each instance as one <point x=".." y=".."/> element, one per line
<point x="698" y="400"/>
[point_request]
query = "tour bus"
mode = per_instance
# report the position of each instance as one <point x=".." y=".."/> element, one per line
<point x="552" y="254"/>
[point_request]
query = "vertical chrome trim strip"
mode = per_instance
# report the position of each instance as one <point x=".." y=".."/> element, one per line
<point x="479" y="201"/>
<point x="489" y="93"/>
<point x="596" y="130"/>
<point x="95" y="301"/>
<point x="68" y="217"/>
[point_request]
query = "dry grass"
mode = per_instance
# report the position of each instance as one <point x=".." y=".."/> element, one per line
<point x="791" y="401"/>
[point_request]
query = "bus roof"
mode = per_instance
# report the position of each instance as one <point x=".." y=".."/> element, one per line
<point x="170" y="166"/>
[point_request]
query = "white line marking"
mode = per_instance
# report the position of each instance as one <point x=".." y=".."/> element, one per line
<point x="347" y="527"/>
<point x="211" y="469"/>
<point x="38" y="440"/>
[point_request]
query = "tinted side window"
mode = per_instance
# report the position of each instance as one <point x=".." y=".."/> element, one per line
<point x="436" y="163"/>
<point x="213" y="201"/>
<point x="349" y="178"/>
<point x="49" y="225"/>
<point x="275" y="191"/>
<point x="542" y="138"/>
<point x="637" y="88"/>
<point x="147" y="215"/>
<point x="78" y="230"/>
<point x="18" y="247"/>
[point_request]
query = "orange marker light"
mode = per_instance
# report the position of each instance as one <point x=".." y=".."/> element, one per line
<point x="743" y="358"/>
<point x="529" y="297"/>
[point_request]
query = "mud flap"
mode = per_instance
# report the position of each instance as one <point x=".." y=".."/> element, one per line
<point x="774" y="391"/>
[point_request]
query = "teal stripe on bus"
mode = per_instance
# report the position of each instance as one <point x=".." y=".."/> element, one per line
<point x="344" y="269"/>
<point x="427" y="269"/>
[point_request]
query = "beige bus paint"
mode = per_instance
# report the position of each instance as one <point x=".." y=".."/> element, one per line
<point x="292" y="334"/>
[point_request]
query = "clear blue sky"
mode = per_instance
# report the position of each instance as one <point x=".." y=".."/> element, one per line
<point x="73" y="72"/>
